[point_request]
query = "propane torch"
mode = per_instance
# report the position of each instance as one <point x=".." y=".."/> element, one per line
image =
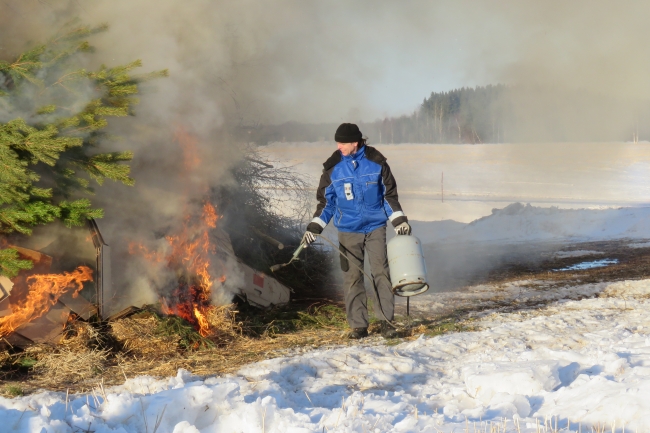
<point x="293" y="258"/>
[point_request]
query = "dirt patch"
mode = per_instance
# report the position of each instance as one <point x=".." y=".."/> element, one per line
<point x="633" y="263"/>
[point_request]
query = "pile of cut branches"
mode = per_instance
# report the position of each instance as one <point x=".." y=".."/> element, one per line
<point x="268" y="205"/>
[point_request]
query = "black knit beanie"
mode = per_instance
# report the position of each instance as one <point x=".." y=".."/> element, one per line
<point x="348" y="133"/>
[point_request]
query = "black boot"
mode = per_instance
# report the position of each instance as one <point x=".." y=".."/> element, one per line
<point x="358" y="333"/>
<point x="387" y="331"/>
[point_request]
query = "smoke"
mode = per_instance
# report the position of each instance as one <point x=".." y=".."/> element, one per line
<point x="328" y="61"/>
<point x="596" y="46"/>
<point x="237" y="64"/>
<point x="181" y="133"/>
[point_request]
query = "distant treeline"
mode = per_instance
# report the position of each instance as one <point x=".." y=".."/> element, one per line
<point x="459" y="116"/>
<point x="492" y="114"/>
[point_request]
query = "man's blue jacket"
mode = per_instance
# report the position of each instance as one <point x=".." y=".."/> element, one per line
<point x="357" y="191"/>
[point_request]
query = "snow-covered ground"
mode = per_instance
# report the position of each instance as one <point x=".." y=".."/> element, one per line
<point x="525" y="223"/>
<point x="543" y="356"/>
<point x="578" y="363"/>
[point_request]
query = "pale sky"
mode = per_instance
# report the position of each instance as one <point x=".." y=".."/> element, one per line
<point x="323" y="61"/>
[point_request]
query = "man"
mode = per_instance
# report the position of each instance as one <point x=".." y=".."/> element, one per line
<point x="358" y="191"/>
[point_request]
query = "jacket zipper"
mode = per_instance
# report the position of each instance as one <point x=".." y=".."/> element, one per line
<point x="341" y="217"/>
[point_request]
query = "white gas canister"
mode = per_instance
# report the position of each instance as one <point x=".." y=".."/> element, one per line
<point x="408" y="271"/>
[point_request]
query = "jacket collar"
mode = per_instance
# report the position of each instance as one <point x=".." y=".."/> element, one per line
<point x="361" y="152"/>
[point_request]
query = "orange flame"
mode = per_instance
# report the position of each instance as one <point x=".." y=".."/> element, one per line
<point x="44" y="291"/>
<point x="190" y="249"/>
<point x="210" y="216"/>
<point x="189" y="256"/>
<point x="204" y="325"/>
<point x="165" y="308"/>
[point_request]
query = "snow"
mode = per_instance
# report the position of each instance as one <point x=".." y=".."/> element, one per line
<point x="639" y="245"/>
<point x="589" y="265"/>
<point x="576" y="253"/>
<point x="524" y="223"/>
<point x="584" y="362"/>
<point x="508" y="192"/>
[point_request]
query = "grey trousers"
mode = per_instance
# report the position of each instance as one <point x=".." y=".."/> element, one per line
<point x="353" y="245"/>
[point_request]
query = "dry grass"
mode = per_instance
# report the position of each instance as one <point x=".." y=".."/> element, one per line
<point x="240" y="343"/>
<point x="75" y="359"/>
<point x="142" y="345"/>
<point x="148" y="344"/>
<point x="70" y="366"/>
<point x="234" y="345"/>
<point x="4" y="357"/>
<point x="224" y="326"/>
<point x="140" y="339"/>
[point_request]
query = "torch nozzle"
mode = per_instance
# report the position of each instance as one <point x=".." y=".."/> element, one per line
<point x="276" y="267"/>
<point x="293" y="258"/>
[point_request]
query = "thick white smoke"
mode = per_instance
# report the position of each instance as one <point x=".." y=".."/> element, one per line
<point x="245" y="62"/>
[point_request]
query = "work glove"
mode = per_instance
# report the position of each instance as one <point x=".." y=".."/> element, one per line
<point x="403" y="229"/>
<point x="313" y="229"/>
<point x="308" y="238"/>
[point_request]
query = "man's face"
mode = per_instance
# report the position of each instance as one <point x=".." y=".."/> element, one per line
<point x="347" y="148"/>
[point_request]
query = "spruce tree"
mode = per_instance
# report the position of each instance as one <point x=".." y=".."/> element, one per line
<point x="53" y="115"/>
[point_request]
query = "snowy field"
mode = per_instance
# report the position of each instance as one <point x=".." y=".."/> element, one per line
<point x="479" y="178"/>
<point x="573" y="366"/>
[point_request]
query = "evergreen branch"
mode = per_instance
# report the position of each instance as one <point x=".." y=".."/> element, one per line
<point x="47" y="109"/>
<point x="106" y="166"/>
<point x="46" y="81"/>
<point x="11" y="264"/>
<point x="76" y="212"/>
<point x="19" y="217"/>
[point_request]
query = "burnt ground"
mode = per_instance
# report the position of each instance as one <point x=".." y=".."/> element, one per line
<point x="303" y="326"/>
<point x="453" y="267"/>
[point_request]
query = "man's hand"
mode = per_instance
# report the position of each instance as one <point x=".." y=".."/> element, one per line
<point x="308" y="238"/>
<point x="403" y="229"/>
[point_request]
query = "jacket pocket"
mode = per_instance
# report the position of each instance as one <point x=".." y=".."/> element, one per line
<point x="340" y="216"/>
<point x="372" y="195"/>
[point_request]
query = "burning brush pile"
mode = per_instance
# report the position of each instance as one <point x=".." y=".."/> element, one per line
<point x="189" y="256"/>
<point x="66" y="321"/>
<point x="37" y="305"/>
<point x="44" y="338"/>
<point x="45" y="341"/>
<point x="144" y="343"/>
